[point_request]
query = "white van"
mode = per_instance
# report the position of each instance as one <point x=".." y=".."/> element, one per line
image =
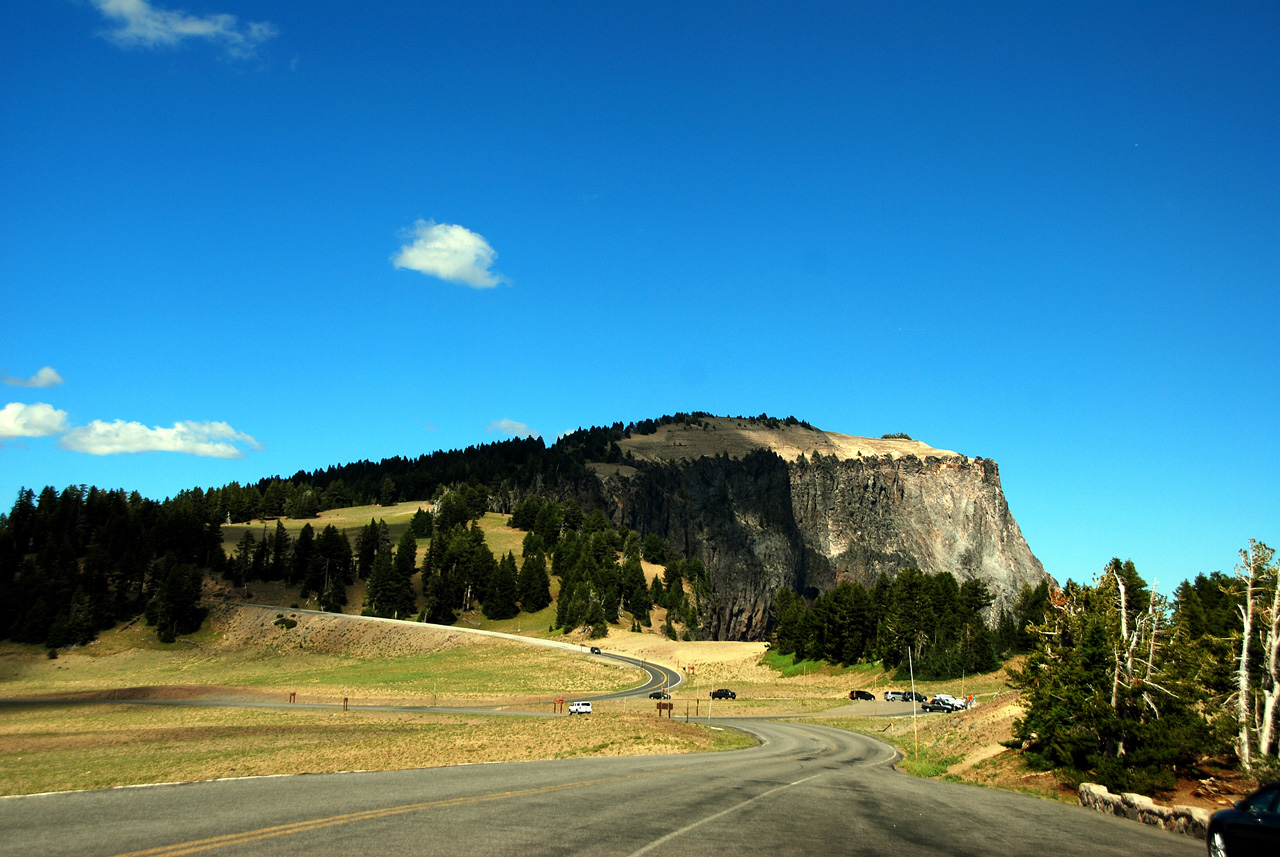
<point x="579" y="708"/>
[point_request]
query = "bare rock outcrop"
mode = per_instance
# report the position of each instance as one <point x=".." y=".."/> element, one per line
<point x="765" y="505"/>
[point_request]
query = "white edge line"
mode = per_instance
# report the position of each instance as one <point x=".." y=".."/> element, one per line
<point x="673" y="834"/>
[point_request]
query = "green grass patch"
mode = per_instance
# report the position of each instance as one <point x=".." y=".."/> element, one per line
<point x="525" y="624"/>
<point x="789" y="667"/>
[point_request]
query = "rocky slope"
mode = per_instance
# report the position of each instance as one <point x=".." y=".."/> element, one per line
<point x="766" y="504"/>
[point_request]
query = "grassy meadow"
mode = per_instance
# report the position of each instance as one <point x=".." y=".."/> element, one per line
<point x="90" y="718"/>
<point x="241" y="650"/>
<point x="60" y="747"/>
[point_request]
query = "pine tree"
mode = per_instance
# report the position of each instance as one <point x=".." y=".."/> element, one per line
<point x="387" y="493"/>
<point x="439" y="601"/>
<point x="406" y="558"/>
<point x="501" y="603"/>
<point x="303" y="554"/>
<point x="533" y="584"/>
<point x="1104" y="695"/>
<point x="174" y="608"/>
<point x="421" y="524"/>
<point x="280" y="564"/>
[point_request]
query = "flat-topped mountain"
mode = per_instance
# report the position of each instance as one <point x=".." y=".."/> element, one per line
<point x="736" y="437"/>
<point x="767" y="503"/>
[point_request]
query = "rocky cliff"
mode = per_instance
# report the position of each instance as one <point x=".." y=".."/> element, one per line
<point x="765" y="504"/>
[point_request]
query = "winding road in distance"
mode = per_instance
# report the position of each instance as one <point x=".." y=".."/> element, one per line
<point x="805" y="790"/>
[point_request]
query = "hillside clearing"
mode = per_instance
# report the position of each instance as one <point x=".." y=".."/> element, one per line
<point x="241" y="651"/>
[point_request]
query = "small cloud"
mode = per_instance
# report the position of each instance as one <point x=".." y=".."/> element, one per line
<point x="449" y="252"/>
<point x="38" y="420"/>
<point x="46" y="377"/>
<point x="511" y="428"/>
<point x="207" y="439"/>
<point x="430" y="427"/>
<point x="141" y="25"/>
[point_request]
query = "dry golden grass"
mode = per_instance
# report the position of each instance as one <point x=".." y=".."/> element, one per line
<point x="350" y="519"/>
<point x="501" y="538"/>
<point x="737" y="437"/>
<point x="243" y="653"/>
<point x="58" y="747"/>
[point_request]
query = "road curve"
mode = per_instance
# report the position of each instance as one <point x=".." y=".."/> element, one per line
<point x="806" y="789"/>
<point x="659" y="676"/>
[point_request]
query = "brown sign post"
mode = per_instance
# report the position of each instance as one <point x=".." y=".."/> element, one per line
<point x="667" y="707"/>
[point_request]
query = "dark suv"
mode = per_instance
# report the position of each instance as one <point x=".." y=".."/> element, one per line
<point x="723" y="693"/>
<point x="659" y="694"/>
<point x="861" y="694"/>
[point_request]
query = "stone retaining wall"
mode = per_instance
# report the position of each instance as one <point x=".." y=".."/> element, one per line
<point x="1190" y="820"/>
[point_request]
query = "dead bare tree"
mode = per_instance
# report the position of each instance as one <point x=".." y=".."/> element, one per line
<point x="1270" y="627"/>
<point x="1134" y="646"/>
<point x="1261" y="603"/>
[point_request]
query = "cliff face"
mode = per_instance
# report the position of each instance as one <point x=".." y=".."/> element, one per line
<point x="848" y="508"/>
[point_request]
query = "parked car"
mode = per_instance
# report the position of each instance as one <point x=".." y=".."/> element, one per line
<point x="956" y="704"/>
<point x="939" y="704"/>
<point x="595" y="650"/>
<point x="723" y="693"/>
<point x="861" y="694"/>
<point x="894" y="696"/>
<point x="659" y="694"/>
<point x="580" y="708"/>
<point x="1251" y="827"/>
<point x="909" y="696"/>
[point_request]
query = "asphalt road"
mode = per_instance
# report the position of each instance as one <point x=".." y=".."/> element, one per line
<point x="659" y="677"/>
<point x="806" y="790"/>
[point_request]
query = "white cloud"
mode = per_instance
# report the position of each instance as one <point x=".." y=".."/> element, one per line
<point x="450" y="252"/>
<point x="512" y="428"/>
<point x="38" y="420"/>
<point x="208" y="439"/>
<point x="139" y="24"/>
<point x="46" y="377"/>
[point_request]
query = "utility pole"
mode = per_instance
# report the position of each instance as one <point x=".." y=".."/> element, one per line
<point x="914" y="707"/>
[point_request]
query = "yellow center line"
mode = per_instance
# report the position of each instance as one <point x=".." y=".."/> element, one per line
<point x="196" y="846"/>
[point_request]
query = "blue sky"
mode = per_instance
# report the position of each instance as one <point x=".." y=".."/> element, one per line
<point x="240" y="239"/>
